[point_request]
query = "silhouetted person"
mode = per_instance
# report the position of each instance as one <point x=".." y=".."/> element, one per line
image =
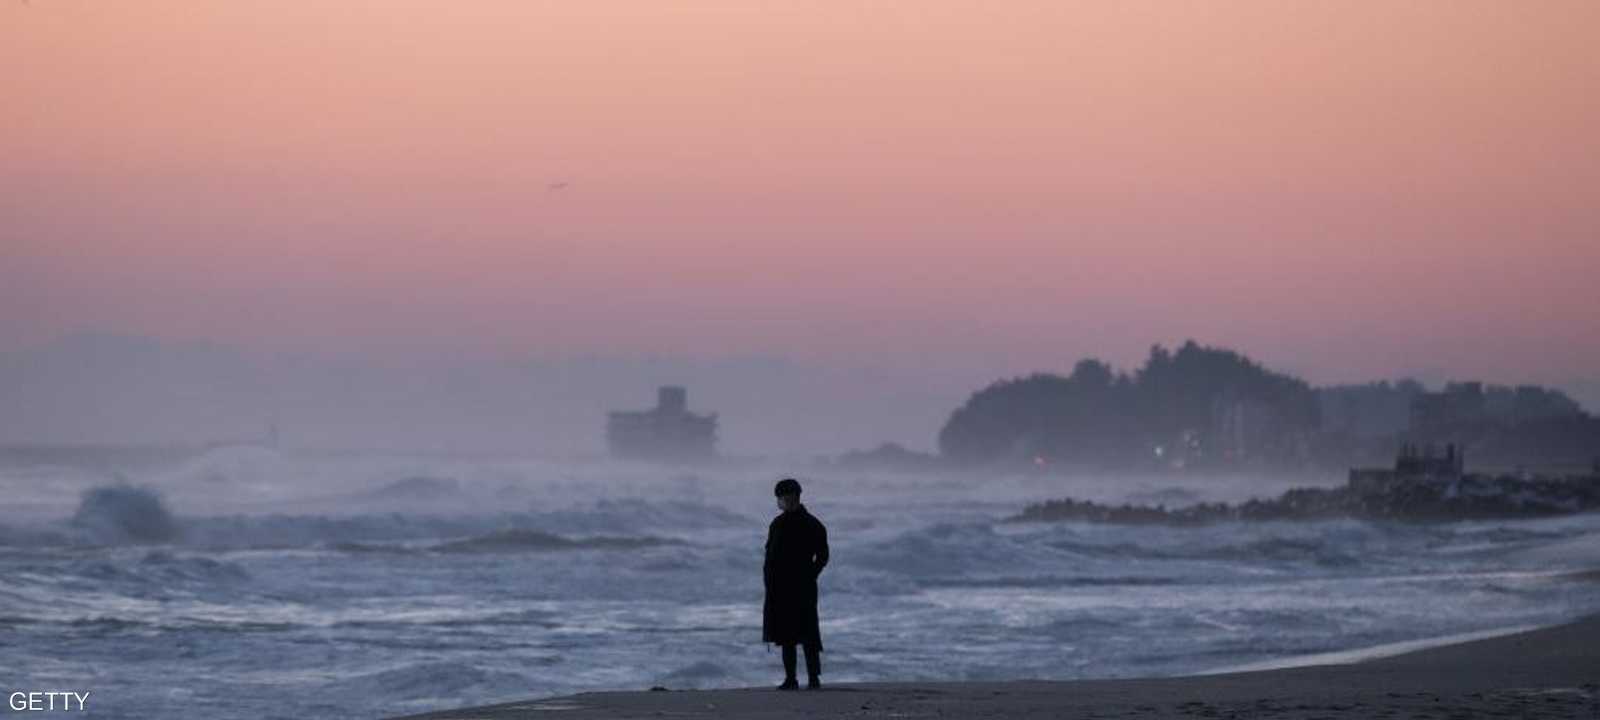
<point x="797" y="550"/>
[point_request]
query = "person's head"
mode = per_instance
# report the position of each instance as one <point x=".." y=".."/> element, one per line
<point x="788" y="492"/>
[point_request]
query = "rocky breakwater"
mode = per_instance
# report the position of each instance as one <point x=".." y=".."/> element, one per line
<point x="1429" y="498"/>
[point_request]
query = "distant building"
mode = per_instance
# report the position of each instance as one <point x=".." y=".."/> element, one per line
<point x="666" y="432"/>
<point x="1465" y="404"/>
<point x="1413" y="465"/>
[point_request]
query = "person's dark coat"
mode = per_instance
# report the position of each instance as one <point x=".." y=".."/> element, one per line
<point x="797" y="550"/>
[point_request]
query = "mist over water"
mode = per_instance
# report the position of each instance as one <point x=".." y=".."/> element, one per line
<point x="454" y="400"/>
<point x="248" y="583"/>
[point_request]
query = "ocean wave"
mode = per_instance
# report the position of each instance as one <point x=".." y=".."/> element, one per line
<point x="154" y="572"/>
<point x="432" y="681"/>
<point x="1075" y="628"/>
<point x="1113" y="551"/>
<point x="375" y="548"/>
<point x="632" y="514"/>
<point x="515" y="618"/>
<point x="1278" y="550"/>
<point x="1053" y="581"/>
<point x="1065" y="555"/>
<point x="100" y="625"/>
<point x="299" y="531"/>
<point x="116" y="514"/>
<point x="950" y="550"/>
<point x="1326" y="544"/>
<point x="167" y="567"/>
<point x="416" y="487"/>
<point x="388" y="534"/>
<point x="523" y="540"/>
<point x="182" y="613"/>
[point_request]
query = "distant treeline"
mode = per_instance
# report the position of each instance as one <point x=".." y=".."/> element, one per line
<point x="1176" y="407"/>
<point x="1203" y="406"/>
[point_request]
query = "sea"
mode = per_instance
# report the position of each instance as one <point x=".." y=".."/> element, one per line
<point x="249" y="583"/>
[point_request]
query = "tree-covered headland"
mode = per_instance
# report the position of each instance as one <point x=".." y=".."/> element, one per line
<point x="1201" y="407"/>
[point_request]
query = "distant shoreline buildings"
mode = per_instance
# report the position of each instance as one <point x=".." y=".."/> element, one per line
<point x="1412" y="465"/>
<point x="667" y="431"/>
<point x="1209" y="409"/>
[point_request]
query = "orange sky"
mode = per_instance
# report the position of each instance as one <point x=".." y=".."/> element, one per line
<point x="1342" y="189"/>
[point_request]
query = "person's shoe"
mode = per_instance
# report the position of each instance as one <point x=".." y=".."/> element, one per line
<point x="815" y="683"/>
<point x="789" y="684"/>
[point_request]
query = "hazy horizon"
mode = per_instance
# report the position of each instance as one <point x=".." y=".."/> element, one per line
<point x="118" y="389"/>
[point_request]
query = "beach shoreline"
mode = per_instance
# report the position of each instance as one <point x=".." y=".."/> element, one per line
<point x="1551" y="672"/>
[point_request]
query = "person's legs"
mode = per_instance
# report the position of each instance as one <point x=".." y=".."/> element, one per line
<point x="813" y="665"/>
<point x="788" y="667"/>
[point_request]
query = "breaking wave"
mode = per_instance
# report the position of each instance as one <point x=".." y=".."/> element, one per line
<point x="128" y="515"/>
<point x="118" y="514"/>
<point x="418" y="487"/>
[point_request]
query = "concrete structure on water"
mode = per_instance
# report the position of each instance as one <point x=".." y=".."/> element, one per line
<point x="1412" y="465"/>
<point x="666" y="432"/>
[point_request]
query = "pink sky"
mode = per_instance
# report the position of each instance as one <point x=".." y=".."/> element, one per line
<point x="1344" y="190"/>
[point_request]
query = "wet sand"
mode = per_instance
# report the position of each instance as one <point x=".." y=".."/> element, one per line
<point x="1545" y="673"/>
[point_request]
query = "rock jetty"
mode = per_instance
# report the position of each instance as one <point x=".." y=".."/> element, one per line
<point x="1419" y="489"/>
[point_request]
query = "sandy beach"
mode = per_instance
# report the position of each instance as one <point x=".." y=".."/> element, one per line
<point x="1546" y="673"/>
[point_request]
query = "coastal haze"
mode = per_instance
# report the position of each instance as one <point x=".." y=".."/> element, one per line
<point x="320" y="323"/>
